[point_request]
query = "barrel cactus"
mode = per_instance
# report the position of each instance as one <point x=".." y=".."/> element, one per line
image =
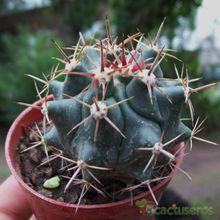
<point x="115" y="114"/>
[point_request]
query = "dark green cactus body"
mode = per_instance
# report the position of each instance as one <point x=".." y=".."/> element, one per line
<point x="142" y="120"/>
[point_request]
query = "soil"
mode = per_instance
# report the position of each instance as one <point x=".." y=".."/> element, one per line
<point x="37" y="166"/>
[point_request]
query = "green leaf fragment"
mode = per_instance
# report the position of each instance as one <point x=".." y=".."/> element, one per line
<point x="52" y="183"/>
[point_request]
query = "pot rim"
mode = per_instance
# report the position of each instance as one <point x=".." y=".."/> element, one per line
<point x="9" y="140"/>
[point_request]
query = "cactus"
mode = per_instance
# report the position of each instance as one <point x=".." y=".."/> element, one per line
<point x="116" y="115"/>
<point x="106" y="124"/>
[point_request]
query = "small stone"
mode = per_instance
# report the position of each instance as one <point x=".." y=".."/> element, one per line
<point x="49" y="171"/>
<point x="74" y="198"/>
<point x="34" y="155"/>
<point x="28" y="181"/>
<point x="22" y="147"/>
<point x="60" y="199"/>
<point x="83" y="201"/>
<point x="34" y="178"/>
<point x="52" y="183"/>
<point x="46" y="193"/>
<point x="33" y="136"/>
<point x="27" y="166"/>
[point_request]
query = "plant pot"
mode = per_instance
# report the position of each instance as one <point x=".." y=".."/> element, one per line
<point x="49" y="209"/>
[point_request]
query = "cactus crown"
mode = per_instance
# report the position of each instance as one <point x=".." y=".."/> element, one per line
<point x="116" y="115"/>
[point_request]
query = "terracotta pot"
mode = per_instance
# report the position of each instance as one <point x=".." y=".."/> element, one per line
<point x="49" y="209"/>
